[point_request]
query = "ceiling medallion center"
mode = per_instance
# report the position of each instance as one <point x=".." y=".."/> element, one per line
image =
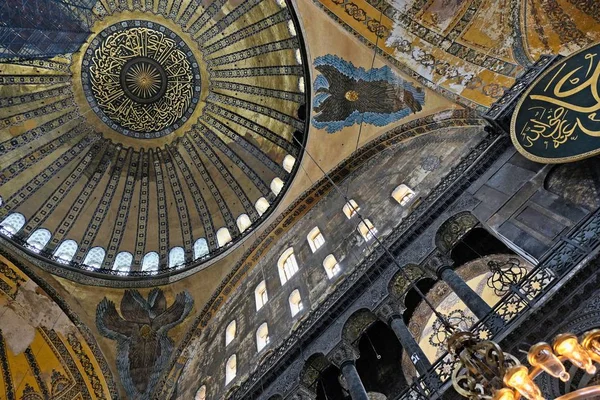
<point x="141" y="79"/>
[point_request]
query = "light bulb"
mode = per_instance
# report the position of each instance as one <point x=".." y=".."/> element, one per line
<point x="541" y="355"/>
<point x="567" y="345"/>
<point x="504" y="394"/>
<point x="518" y="378"/>
<point x="591" y="342"/>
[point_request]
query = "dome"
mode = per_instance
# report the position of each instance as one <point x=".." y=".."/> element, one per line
<point x="169" y="136"/>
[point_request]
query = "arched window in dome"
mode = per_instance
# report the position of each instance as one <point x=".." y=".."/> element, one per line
<point x="262" y="336"/>
<point x="288" y="163"/>
<point x="151" y="261"/>
<point x="287" y="265"/>
<point x="201" y="393"/>
<point x="403" y="195"/>
<point x="94" y="257"/>
<point x="230" y="369"/>
<point x="301" y="86"/>
<point x="367" y="229"/>
<point x="243" y="222"/>
<point x="260" y="295"/>
<point x="223" y="237"/>
<point x="298" y="56"/>
<point x="276" y="186"/>
<point x="12" y="224"/>
<point x="262" y="205"/>
<point x="176" y="257"/>
<point x="66" y="251"/>
<point x="200" y="248"/>
<point x="281" y="3"/>
<point x="38" y="239"/>
<point x="123" y="261"/>
<point x="315" y="239"/>
<point x="230" y="332"/>
<point x="350" y="208"/>
<point x="332" y="268"/>
<point x="295" y="301"/>
<point x="1" y="200"/>
<point x="292" y="28"/>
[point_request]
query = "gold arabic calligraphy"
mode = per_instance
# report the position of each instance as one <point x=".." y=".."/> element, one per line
<point x="561" y="120"/>
<point x="110" y="59"/>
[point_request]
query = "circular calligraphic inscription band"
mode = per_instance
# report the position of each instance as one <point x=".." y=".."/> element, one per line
<point x="142" y="79"/>
<point x="558" y="117"/>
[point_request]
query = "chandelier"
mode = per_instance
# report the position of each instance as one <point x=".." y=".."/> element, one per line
<point x="486" y="372"/>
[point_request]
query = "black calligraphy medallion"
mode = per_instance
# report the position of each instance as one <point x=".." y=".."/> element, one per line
<point x="141" y="79"/>
<point x="558" y="118"/>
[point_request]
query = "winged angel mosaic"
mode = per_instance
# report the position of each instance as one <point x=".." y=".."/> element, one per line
<point x="346" y="95"/>
<point x="143" y="347"/>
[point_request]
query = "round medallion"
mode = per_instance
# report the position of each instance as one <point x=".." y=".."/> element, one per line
<point x="141" y="79"/>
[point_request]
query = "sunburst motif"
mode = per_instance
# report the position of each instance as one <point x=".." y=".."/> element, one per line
<point x="144" y="80"/>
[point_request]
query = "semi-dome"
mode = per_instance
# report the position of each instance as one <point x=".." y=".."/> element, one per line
<point x="168" y="136"/>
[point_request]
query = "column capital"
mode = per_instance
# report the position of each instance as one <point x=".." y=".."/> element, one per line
<point x="437" y="262"/>
<point x="390" y="307"/>
<point x="343" y="353"/>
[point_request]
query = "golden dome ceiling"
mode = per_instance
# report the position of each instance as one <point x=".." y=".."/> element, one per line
<point x="170" y="135"/>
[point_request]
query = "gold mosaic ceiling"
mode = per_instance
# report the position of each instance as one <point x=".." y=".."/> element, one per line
<point x="172" y="121"/>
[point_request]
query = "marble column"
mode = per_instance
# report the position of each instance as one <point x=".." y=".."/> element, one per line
<point x="344" y="356"/>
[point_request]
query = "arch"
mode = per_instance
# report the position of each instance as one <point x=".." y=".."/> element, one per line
<point x="223" y="237"/>
<point x="287" y="265"/>
<point x="403" y="195"/>
<point x="357" y="324"/>
<point x="123" y="261"/>
<point x="289" y="160"/>
<point x="260" y="295"/>
<point x="412" y="298"/>
<point x="243" y="222"/>
<point x="66" y="251"/>
<point x="578" y="182"/>
<point x="350" y="208"/>
<point x="262" y="337"/>
<point x="261" y="205"/>
<point x="400" y="282"/>
<point x="295" y="301"/>
<point x="332" y="268"/>
<point x="453" y="229"/>
<point x="38" y="239"/>
<point x="201" y="393"/>
<point x="95" y="257"/>
<point x="230" y="369"/>
<point x="12" y="224"/>
<point x="367" y="229"/>
<point x="276" y="186"/>
<point x="151" y="261"/>
<point x="176" y="257"/>
<point x="230" y="332"/>
<point x="315" y="239"/>
<point x="477" y="243"/>
<point x="200" y="248"/>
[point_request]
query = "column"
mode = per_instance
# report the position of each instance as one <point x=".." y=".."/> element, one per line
<point x="344" y="356"/>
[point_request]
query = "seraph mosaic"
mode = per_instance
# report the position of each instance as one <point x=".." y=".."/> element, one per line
<point x="143" y="346"/>
<point x="346" y="95"/>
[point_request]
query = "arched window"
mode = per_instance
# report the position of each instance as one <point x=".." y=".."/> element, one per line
<point x="262" y="336"/>
<point x="94" y="257"/>
<point x="289" y="161"/>
<point x="243" y="222"/>
<point x="287" y="265"/>
<point x="332" y="268"/>
<point x="176" y="257"/>
<point x="301" y="86"/>
<point x="123" y="261"/>
<point x="66" y="251"/>
<point x="403" y="195"/>
<point x="315" y="239"/>
<point x="281" y="3"/>
<point x="261" y="206"/>
<point x="367" y="230"/>
<point x="260" y="295"/>
<point x="291" y="28"/>
<point x="38" y="239"/>
<point x="295" y="302"/>
<point x="276" y="186"/>
<point x="200" y="248"/>
<point x="223" y="237"/>
<point x="298" y="56"/>
<point x="230" y="332"/>
<point x="350" y="208"/>
<point x="201" y="393"/>
<point x="12" y="224"/>
<point x="230" y="369"/>
<point x="151" y="261"/>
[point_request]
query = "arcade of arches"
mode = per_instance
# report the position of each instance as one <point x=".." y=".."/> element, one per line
<point x="268" y="199"/>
